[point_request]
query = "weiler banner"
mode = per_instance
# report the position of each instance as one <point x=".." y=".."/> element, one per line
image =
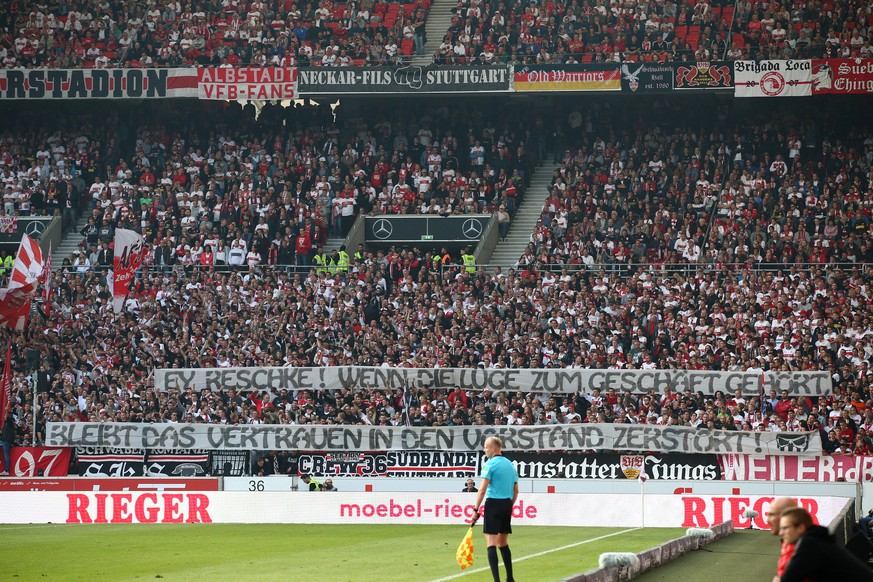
<point x="259" y="83"/>
<point x="588" y="77"/>
<point x="791" y="78"/>
<point x="551" y="380"/>
<point x="842" y="76"/>
<point x="849" y="468"/>
<point x="703" y="75"/>
<point x="559" y="437"/>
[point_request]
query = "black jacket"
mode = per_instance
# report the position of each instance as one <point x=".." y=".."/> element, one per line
<point x="818" y="557"/>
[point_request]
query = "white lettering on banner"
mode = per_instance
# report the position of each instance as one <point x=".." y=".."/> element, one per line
<point x="552" y="509"/>
<point x="247" y="83"/>
<point x="791" y="78"/>
<point x="572" y="437"/>
<point x="554" y="381"/>
<point x="849" y="468"/>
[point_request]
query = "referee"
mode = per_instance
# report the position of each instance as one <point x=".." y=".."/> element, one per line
<point x="500" y="487"/>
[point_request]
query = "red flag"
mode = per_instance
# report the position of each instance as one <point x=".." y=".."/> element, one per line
<point x="26" y="272"/>
<point x="129" y="253"/>
<point x="6" y="388"/>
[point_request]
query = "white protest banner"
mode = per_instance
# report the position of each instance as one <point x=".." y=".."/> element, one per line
<point x="551" y="380"/>
<point x="773" y="78"/>
<point x="129" y="252"/>
<point x="572" y="437"/>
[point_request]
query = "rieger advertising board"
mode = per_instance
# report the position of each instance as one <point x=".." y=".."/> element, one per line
<point x="390" y="508"/>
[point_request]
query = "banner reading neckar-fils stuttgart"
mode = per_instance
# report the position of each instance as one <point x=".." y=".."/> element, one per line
<point x="588" y="77"/>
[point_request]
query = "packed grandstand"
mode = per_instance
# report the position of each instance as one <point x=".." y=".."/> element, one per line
<point x="692" y="232"/>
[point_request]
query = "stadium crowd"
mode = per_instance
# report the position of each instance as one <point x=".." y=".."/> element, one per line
<point x="230" y="33"/>
<point x="574" y="300"/>
<point x="374" y="33"/>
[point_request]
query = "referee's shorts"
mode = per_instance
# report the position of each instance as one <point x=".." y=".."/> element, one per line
<point x="498" y="516"/>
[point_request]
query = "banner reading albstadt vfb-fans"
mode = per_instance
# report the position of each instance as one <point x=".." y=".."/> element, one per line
<point x="587" y="77"/>
<point x="571" y="437"/>
<point x="551" y="380"/>
<point x="265" y="83"/>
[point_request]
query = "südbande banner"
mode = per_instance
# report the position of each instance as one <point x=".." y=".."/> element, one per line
<point x="551" y="380"/>
<point x="569" y="437"/>
<point x="792" y="78"/>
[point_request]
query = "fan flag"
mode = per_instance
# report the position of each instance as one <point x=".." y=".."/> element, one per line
<point x="26" y="271"/>
<point x="464" y="555"/>
<point x="129" y="253"/>
<point x="6" y="385"/>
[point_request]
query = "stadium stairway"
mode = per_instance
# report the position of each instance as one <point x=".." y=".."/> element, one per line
<point x="507" y="252"/>
<point x="70" y="243"/>
<point x="439" y="19"/>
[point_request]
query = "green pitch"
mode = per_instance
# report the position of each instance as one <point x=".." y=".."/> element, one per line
<point x="335" y="553"/>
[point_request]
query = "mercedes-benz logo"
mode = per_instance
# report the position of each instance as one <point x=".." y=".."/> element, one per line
<point x="382" y="228"/>
<point x="472" y="228"/>
<point x="34" y="228"/>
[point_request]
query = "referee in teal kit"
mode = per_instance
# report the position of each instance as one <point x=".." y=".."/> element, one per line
<point x="500" y="488"/>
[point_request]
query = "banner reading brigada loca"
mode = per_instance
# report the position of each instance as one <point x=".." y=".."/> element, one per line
<point x="791" y="78"/>
<point x="405" y="79"/>
<point x="569" y="437"/>
<point x="588" y="77"/>
<point x="842" y="76"/>
<point x="553" y="381"/>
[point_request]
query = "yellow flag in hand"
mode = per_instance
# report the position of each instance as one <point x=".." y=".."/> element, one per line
<point x="464" y="555"/>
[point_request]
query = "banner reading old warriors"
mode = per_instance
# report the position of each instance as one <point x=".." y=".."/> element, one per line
<point x="247" y="83"/>
<point x="703" y="75"/>
<point x="842" y="76"/>
<point x="646" y="77"/>
<point x="560" y="437"/>
<point x="792" y="78"/>
<point x="587" y="77"/>
<point x="405" y="79"/>
<point x="566" y="465"/>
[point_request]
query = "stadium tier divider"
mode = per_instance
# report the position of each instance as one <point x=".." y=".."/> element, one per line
<point x="842" y="527"/>
<point x="654" y="557"/>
